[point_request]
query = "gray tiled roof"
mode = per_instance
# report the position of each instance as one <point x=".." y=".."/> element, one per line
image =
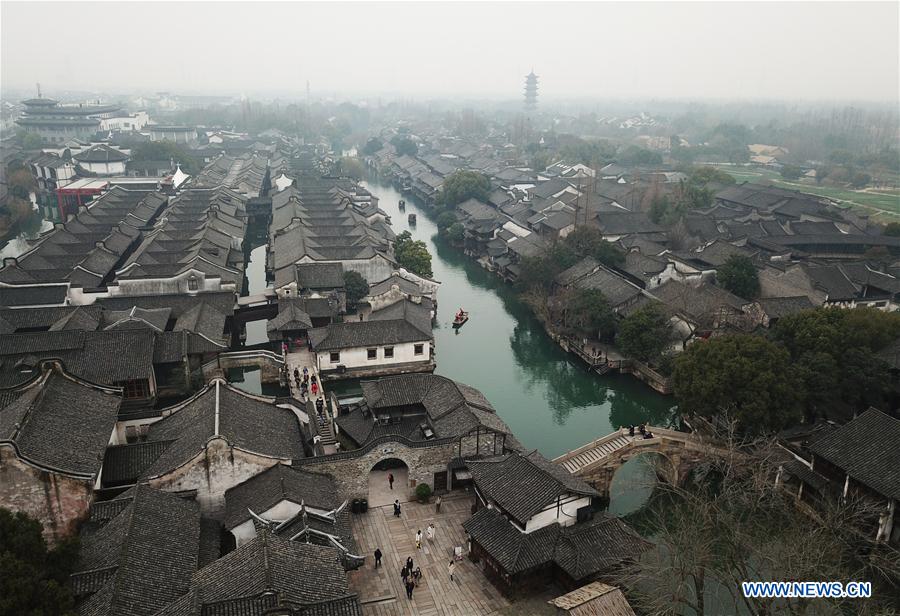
<point x="58" y="422"/>
<point x="320" y="276"/>
<point x="152" y="547"/>
<point x="240" y="581"/>
<point x="452" y="408"/>
<point x="123" y="464"/>
<point x="105" y="357"/>
<point x="777" y="307"/>
<point x="522" y="485"/>
<point x="279" y="483"/>
<point x="356" y="334"/>
<point x="245" y="421"/>
<point x="867" y="449"/>
<point x="581" y="550"/>
<point x="32" y="296"/>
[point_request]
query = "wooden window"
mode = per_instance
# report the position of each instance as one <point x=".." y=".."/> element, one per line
<point x="335" y="358"/>
<point x="371" y="354"/>
<point x="134" y="390"/>
<point x="419" y="349"/>
<point x="388" y="352"/>
<point x="193" y="284"/>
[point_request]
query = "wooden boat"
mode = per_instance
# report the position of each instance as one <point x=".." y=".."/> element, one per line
<point x="402" y="205"/>
<point x="460" y="319"/>
<point x="412" y="219"/>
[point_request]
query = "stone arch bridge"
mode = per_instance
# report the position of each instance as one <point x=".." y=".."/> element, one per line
<point x="597" y="461"/>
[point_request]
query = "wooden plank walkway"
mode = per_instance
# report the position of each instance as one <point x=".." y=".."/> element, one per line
<point x="381" y="590"/>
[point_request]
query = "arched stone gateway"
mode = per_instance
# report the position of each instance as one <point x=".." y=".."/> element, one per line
<point x="426" y="463"/>
<point x="383" y="491"/>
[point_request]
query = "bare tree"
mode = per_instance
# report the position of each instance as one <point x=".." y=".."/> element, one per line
<point x="735" y="523"/>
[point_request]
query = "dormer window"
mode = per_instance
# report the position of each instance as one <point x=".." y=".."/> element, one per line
<point x="193" y="284"/>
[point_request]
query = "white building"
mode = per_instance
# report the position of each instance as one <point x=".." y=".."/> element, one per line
<point x="396" y="339"/>
<point x="125" y="122"/>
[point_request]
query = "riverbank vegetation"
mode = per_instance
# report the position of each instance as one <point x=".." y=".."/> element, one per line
<point x="413" y="255"/>
<point x="820" y="363"/>
<point x="734" y="522"/>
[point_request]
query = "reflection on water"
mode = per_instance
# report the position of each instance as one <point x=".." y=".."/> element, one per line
<point x="28" y="230"/>
<point x="249" y="380"/>
<point x="255" y="280"/>
<point x="548" y="398"/>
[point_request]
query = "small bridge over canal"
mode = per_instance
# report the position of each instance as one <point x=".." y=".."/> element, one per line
<point x="597" y="461"/>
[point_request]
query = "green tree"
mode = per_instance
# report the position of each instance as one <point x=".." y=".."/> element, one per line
<point x="463" y="185"/>
<point x="634" y="155"/>
<point x="445" y="220"/>
<point x="860" y="180"/>
<point x="456" y="232"/>
<point x="791" y="172"/>
<point x="355" y="286"/>
<point x="351" y="167"/>
<point x="372" y="145"/>
<point x="20" y="183"/>
<point x="34" y="581"/>
<point x="660" y="206"/>
<point x="588" y="241"/>
<point x="413" y="255"/>
<point x="748" y="377"/>
<point x="28" y="141"/>
<point x="587" y="310"/>
<point x="404" y="146"/>
<point x="836" y="354"/>
<point x="892" y="229"/>
<point x="167" y="150"/>
<point x="644" y="334"/>
<point x="706" y="174"/>
<point x="739" y="276"/>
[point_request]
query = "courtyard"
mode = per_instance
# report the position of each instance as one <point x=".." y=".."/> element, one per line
<point x="381" y="590"/>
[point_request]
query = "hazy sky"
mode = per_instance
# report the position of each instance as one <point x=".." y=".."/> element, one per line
<point x="580" y="50"/>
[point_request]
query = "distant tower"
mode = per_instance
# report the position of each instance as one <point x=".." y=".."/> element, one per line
<point x="531" y="91"/>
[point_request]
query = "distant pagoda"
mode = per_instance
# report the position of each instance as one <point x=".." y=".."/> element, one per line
<point x="531" y="91"/>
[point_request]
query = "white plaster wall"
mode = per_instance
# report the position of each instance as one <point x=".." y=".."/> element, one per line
<point x="566" y="517"/>
<point x="358" y="357"/>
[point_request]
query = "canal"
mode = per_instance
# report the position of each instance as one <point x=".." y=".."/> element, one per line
<point x="548" y="398"/>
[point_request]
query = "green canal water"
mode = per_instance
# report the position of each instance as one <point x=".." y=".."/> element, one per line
<point x="547" y="396"/>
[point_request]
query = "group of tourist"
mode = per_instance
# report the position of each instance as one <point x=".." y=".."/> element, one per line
<point x="642" y="429"/>
<point x="411" y="575"/>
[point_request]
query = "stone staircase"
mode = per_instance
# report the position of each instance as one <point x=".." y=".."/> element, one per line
<point x="595" y="454"/>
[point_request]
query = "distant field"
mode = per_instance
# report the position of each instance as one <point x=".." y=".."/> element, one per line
<point x="885" y="205"/>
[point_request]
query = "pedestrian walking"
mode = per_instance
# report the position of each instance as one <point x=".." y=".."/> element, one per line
<point x="631" y="430"/>
<point x="450" y="569"/>
<point x="397" y="508"/>
<point x="404" y="573"/>
<point x="409" y="563"/>
<point x="377" y="558"/>
<point x="391" y="480"/>
<point x="419" y="539"/>
<point x="430" y="532"/>
<point x="315" y="388"/>
<point x="437" y="504"/>
<point x="305" y="372"/>
<point x="642" y="429"/>
<point x="410" y="587"/>
<point x="417" y="575"/>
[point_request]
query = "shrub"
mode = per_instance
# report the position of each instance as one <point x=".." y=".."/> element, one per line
<point x="423" y="492"/>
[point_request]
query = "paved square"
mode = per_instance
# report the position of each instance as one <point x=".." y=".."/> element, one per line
<point x="381" y="591"/>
